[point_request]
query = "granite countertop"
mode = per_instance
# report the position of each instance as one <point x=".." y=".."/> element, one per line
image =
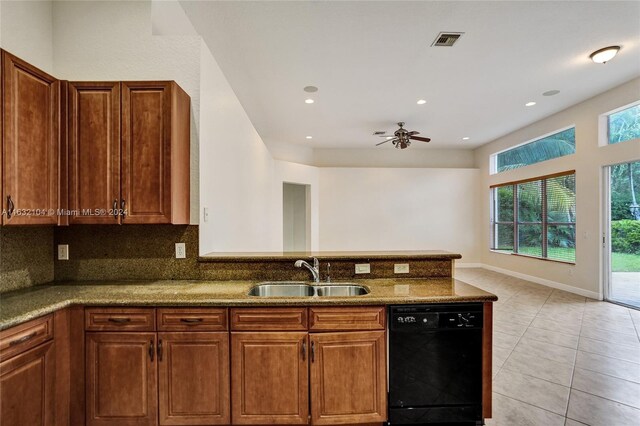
<point x="327" y="255"/>
<point x="20" y="306"/>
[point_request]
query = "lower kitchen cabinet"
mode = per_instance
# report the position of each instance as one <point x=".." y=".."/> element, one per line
<point x="269" y="378"/>
<point x="348" y="377"/>
<point x="193" y="376"/>
<point x="121" y="378"/>
<point x="27" y="385"/>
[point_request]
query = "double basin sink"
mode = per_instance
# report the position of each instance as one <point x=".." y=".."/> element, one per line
<point x="301" y="289"/>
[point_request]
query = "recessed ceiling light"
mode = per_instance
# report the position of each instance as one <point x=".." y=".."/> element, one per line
<point x="309" y="101"/>
<point x="530" y="104"/>
<point x="421" y="102"/>
<point x="551" y="93"/>
<point x="310" y="89"/>
<point x="309" y="137"/>
<point x="466" y="138"/>
<point x="602" y="56"/>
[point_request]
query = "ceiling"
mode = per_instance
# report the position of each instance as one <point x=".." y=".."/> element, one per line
<point x="372" y="61"/>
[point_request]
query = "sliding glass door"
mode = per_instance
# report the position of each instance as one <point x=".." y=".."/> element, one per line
<point x="622" y="253"/>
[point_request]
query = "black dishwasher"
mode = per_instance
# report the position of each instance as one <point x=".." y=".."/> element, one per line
<point x="435" y="364"/>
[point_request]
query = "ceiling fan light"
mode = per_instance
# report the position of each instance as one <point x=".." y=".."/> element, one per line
<point x="602" y="56"/>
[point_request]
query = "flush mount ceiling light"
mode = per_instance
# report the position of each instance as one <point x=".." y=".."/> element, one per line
<point x="602" y="56"/>
<point x="309" y="137"/>
<point x="466" y="138"/>
<point x="530" y="103"/>
<point x="310" y="89"/>
<point x="421" y="102"/>
<point x="309" y="101"/>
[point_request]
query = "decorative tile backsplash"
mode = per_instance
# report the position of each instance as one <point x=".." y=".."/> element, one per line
<point x="26" y="256"/>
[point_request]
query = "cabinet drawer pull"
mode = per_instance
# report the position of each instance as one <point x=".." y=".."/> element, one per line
<point x="120" y="320"/>
<point x="151" y="350"/>
<point x="304" y="349"/>
<point x="115" y="209"/>
<point x="23" y="339"/>
<point x="10" y="207"/>
<point x="191" y="320"/>
<point x="313" y="351"/>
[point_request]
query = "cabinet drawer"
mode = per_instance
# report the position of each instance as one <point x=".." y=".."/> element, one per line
<point x="177" y="319"/>
<point x="18" y="339"/>
<point x="269" y="319"/>
<point x="119" y="319"/>
<point x="351" y="318"/>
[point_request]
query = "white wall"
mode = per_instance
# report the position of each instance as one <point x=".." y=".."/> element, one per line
<point x="26" y="30"/>
<point x="586" y="276"/>
<point x="237" y="172"/>
<point x="400" y="209"/>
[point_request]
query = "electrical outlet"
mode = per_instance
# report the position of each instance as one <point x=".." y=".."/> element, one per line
<point x="181" y="251"/>
<point x="401" y="268"/>
<point x="363" y="268"/>
<point x="63" y="251"/>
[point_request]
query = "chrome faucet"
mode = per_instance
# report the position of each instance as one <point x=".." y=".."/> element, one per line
<point x="315" y="269"/>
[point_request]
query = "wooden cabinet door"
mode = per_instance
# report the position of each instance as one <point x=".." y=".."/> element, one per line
<point x="31" y="144"/>
<point x="193" y="370"/>
<point x="146" y="152"/>
<point x="121" y="379"/>
<point x="27" y="388"/>
<point x="348" y="377"/>
<point x="94" y="152"/>
<point x="269" y="378"/>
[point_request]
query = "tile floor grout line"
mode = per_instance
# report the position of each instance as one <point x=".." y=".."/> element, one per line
<point x="528" y="403"/>
<point x="608" y="399"/>
<point x="535" y="377"/>
<point x="608" y="375"/>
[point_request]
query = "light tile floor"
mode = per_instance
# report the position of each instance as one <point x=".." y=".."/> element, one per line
<point x="559" y="358"/>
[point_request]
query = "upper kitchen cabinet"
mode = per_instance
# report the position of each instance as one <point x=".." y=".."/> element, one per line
<point x="30" y="144"/>
<point x="129" y="153"/>
<point x="94" y="152"/>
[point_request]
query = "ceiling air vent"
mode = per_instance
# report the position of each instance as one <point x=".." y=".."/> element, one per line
<point x="446" y="39"/>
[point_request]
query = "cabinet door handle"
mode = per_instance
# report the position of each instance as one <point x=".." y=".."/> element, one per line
<point x="151" y="350"/>
<point x="119" y="320"/>
<point x="191" y="320"/>
<point x="23" y="339"/>
<point x="304" y="349"/>
<point x="115" y="209"/>
<point x="123" y="203"/>
<point x="313" y="351"/>
<point x="159" y="350"/>
<point x="10" y="207"/>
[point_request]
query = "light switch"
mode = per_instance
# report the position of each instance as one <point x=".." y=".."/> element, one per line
<point x="401" y="268"/>
<point x="363" y="268"/>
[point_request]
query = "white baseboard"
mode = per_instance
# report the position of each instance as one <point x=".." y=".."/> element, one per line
<point x="468" y="265"/>
<point x="553" y="284"/>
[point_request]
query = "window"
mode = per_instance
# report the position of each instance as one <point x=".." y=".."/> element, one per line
<point x="624" y="125"/>
<point x="556" y="145"/>
<point x="536" y="217"/>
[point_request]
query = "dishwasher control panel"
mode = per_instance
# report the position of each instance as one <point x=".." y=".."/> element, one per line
<point x="435" y="317"/>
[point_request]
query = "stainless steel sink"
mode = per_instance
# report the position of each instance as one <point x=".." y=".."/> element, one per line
<point x="283" y="289"/>
<point x="300" y="289"/>
<point x="341" y="290"/>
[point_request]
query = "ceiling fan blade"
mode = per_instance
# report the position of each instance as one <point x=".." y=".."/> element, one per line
<point x="388" y="140"/>
<point x="418" y="138"/>
<point x="413" y="133"/>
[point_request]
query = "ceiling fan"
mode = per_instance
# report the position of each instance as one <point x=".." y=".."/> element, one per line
<point x="402" y="138"/>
